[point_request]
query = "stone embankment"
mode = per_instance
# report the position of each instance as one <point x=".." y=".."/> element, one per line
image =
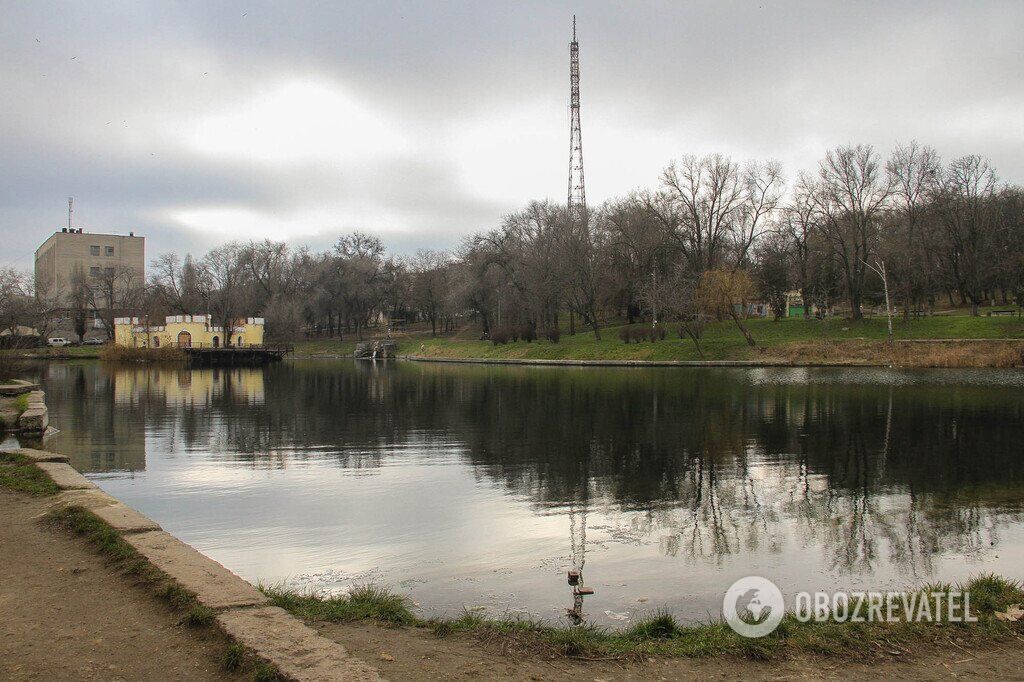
<point x="242" y="612"/>
<point x="23" y="408"/>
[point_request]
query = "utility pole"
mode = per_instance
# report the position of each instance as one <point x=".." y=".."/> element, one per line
<point x="71" y="209"/>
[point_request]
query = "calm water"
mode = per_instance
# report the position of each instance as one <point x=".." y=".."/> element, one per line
<point x="477" y="487"/>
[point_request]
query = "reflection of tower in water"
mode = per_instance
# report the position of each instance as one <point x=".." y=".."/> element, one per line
<point x="578" y="557"/>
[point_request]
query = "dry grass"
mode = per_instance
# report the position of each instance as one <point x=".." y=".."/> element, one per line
<point x="114" y="353"/>
<point x="997" y="354"/>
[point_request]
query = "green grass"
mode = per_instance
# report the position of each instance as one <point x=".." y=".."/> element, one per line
<point x="109" y="543"/>
<point x="659" y="634"/>
<point x="366" y="602"/>
<point x="19" y="473"/>
<point x="722" y="341"/>
<point x="21" y="403"/>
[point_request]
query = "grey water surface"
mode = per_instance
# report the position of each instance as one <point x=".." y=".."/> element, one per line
<point x="479" y="486"/>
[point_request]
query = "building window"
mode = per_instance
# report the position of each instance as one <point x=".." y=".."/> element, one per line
<point x="109" y="250"/>
<point x="94" y="272"/>
<point x="94" y="250"/>
<point x="108" y="271"/>
<point x="156" y="342"/>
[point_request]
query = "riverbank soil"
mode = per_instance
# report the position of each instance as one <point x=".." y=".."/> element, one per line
<point x="417" y="654"/>
<point x="65" y="614"/>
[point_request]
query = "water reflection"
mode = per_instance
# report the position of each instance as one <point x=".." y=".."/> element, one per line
<point x="815" y="477"/>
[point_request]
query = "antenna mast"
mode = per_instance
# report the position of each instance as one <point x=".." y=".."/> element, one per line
<point x="71" y="209"/>
<point x="577" y="200"/>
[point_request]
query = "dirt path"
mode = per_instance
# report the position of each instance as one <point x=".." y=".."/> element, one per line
<point x="416" y="654"/>
<point x="66" y="615"/>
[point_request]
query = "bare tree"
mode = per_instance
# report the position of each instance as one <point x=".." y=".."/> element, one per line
<point x="429" y="284"/>
<point x="915" y="173"/>
<point x="851" y="196"/>
<point x="966" y="205"/>
<point x="715" y="210"/>
<point x="223" y="284"/>
<point x="113" y="292"/>
<point x="797" y="222"/>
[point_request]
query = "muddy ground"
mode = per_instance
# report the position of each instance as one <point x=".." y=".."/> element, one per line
<point x="65" y="614"/>
<point x="417" y="654"/>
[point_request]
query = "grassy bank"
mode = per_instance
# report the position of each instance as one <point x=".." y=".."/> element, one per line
<point x="19" y="473"/>
<point x="659" y="634"/>
<point x="833" y="341"/>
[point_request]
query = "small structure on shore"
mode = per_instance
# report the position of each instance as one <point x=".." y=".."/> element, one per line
<point x="384" y="348"/>
<point x="187" y="331"/>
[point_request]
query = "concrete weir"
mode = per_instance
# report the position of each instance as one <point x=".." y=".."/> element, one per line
<point x="297" y="651"/>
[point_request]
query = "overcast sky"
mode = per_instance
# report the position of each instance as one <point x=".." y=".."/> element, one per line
<point x="194" y="123"/>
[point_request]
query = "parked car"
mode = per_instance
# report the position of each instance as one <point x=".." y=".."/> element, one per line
<point x="93" y="342"/>
<point x="57" y="342"/>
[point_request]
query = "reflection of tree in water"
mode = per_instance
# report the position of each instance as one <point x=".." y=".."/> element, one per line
<point x="704" y="461"/>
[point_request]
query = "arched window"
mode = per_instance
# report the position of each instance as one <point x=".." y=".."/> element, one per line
<point x="216" y="342"/>
<point x="238" y="341"/>
<point x="184" y="339"/>
<point x="156" y="342"/>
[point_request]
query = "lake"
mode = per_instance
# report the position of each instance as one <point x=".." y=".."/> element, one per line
<point x="473" y="486"/>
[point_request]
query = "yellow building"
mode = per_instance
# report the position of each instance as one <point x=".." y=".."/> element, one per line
<point x="187" y="331"/>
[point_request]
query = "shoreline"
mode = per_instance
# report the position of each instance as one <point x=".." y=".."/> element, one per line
<point x="246" y="616"/>
<point x="628" y="363"/>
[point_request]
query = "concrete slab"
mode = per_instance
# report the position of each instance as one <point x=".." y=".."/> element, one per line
<point x="41" y="455"/>
<point x="118" y="515"/>
<point x="35" y="418"/>
<point x="17" y="387"/>
<point x="298" y="651"/>
<point x="214" y="585"/>
<point x="65" y="476"/>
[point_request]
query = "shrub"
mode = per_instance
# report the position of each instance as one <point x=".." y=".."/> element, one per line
<point x="553" y="335"/>
<point x="660" y="333"/>
<point x="513" y="333"/>
<point x="499" y="336"/>
<point x="528" y="333"/>
<point x="626" y="334"/>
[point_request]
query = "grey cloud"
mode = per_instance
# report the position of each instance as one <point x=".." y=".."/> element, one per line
<point x="93" y="93"/>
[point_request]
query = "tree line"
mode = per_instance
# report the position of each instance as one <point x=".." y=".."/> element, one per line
<point x="713" y="236"/>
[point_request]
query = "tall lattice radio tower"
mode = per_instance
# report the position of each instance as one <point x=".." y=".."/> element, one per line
<point x="577" y="202"/>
